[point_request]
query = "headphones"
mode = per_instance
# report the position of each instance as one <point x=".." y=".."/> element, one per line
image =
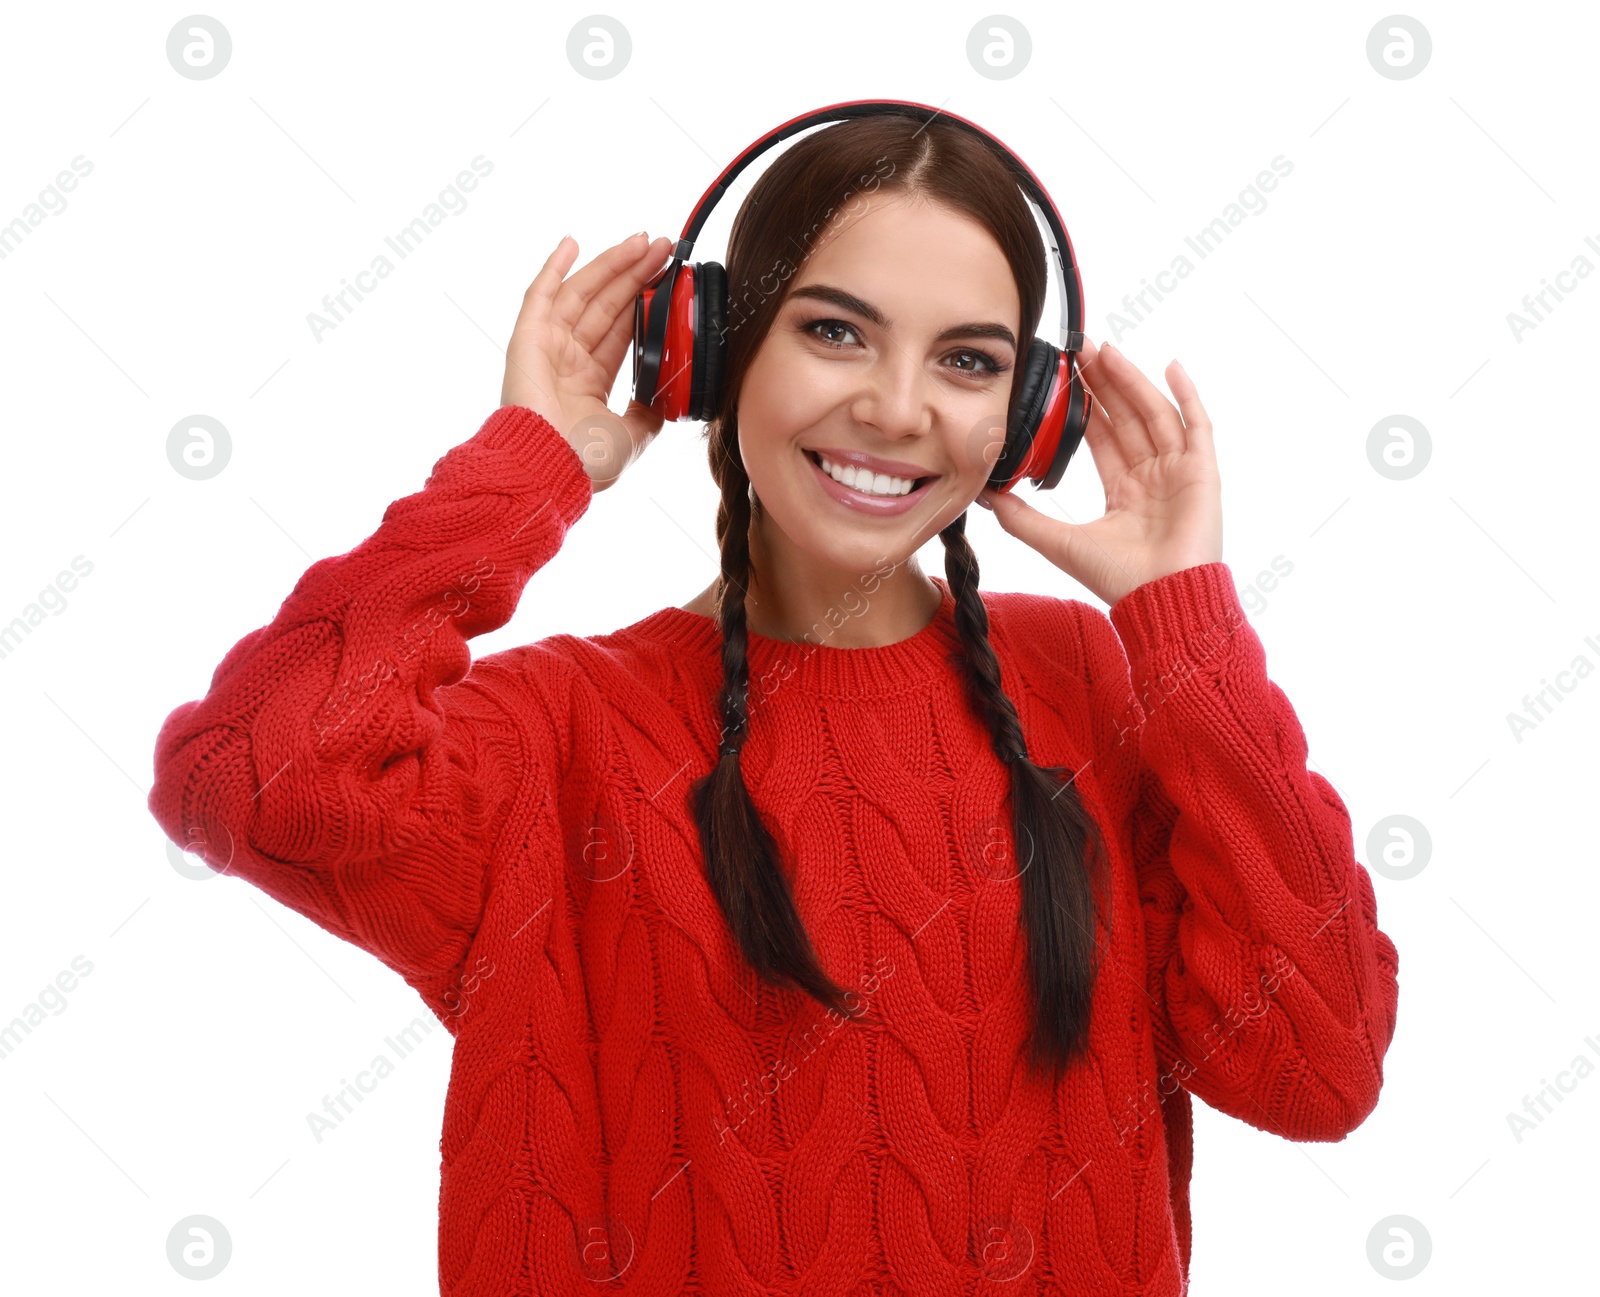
<point x="680" y="321"/>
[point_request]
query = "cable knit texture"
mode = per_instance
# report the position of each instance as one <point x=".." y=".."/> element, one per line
<point x="627" y="1104"/>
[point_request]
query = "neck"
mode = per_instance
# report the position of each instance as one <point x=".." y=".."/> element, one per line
<point x="793" y="598"/>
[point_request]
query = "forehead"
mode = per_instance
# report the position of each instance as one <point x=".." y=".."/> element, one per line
<point x="910" y="255"/>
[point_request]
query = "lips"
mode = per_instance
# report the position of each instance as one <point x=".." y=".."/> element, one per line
<point x="872" y="463"/>
<point x="863" y="503"/>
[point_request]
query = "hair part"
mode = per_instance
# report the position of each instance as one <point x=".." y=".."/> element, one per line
<point x="1065" y="863"/>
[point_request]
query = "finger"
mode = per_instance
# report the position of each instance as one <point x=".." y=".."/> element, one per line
<point x="1196" y="422"/>
<point x="615" y="299"/>
<point x="644" y="422"/>
<point x="543" y="288"/>
<point x="577" y="290"/>
<point x="1069" y="545"/>
<point x="1109" y="459"/>
<point x="1020" y="519"/>
<point x="1123" y="418"/>
<point x="1160" y="416"/>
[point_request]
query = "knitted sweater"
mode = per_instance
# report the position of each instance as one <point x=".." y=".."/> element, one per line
<point x="627" y="1102"/>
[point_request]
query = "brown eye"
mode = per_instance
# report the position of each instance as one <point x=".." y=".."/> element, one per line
<point x="990" y="363"/>
<point x="811" y="327"/>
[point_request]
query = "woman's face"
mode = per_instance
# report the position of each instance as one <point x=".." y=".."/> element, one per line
<point x="896" y="342"/>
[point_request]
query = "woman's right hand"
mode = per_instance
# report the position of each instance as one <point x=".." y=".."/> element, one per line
<point x="568" y="344"/>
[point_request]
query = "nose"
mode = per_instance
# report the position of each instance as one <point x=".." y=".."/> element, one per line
<point x="895" y="397"/>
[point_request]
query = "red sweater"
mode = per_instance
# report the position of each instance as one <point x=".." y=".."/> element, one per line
<point x="513" y="837"/>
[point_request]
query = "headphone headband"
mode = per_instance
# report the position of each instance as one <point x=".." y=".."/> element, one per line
<point x="1062" y="257"/>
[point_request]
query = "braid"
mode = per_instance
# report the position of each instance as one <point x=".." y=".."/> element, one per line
<point x="972" y="621"/>
<point x="742" y="862"/>
<point x="733" y="542"/>
<point x="1058" y="897"/>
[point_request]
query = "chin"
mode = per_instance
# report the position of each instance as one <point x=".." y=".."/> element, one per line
<point x="861" y="553"/>
<point x="881" y="550"/>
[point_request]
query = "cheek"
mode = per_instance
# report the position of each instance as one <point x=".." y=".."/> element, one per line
<point x="973" y="451"/>
<point x="780" y="400"/>
<point x="784" y="376"/>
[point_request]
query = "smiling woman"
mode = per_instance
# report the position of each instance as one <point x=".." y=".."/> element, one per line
<point x="634" y="874"/>
<point x="844" y="437"/>
<point x="896" y="339"/>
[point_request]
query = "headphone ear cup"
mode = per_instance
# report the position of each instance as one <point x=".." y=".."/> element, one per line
<point x="651" y="321"/>
<point x="1074" y="419"/>
<point x="1038" y="381"/>
<point x="710" y="341"/>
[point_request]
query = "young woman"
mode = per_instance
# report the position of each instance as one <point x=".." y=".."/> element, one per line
<point x="845" y="928"/>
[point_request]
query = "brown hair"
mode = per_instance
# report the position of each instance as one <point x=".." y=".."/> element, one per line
<point x="798" y="195"/>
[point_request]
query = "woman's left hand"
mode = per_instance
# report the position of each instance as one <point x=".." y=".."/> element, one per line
<point x="1159" y="470"/>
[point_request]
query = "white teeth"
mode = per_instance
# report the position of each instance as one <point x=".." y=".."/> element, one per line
<point x="862" y="480"/>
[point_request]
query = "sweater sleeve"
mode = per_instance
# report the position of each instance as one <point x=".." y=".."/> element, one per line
<point x="1277" y="991"/>
<point x="344" y="760"/>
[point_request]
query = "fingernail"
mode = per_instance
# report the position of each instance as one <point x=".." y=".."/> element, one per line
<point x="986" y="504"/>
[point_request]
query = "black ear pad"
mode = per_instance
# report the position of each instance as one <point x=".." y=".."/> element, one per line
<point x="710" y="317"/>
<point x="1038" y="375"/>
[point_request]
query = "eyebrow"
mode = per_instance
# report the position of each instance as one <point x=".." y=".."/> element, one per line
<point x="850" y="302"/>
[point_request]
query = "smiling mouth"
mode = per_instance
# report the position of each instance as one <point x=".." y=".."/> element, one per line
<point x="917" y="483"/>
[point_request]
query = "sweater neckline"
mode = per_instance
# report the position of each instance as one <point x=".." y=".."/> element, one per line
<point x="912" y="663"/>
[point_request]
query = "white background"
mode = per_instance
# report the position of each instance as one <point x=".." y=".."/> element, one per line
<point x="1418" y="613"/>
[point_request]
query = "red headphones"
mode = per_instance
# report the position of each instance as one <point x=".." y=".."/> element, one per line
<point x="682" y="330"/>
